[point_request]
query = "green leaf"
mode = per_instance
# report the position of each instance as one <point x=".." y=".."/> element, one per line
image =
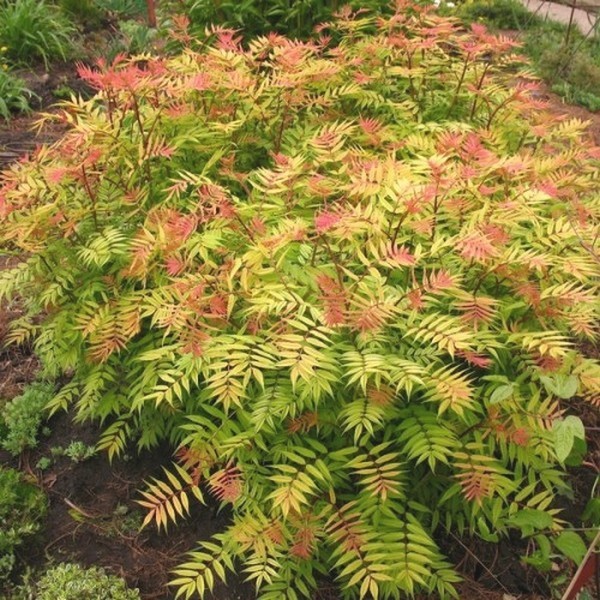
<point x="563" y="386"/>
<point x="530" y="519"/>
<point x="591" y="513"/>
<point x="502" y="392"/>
<point x="565" y="432"/>
<point x="571" y="545"/>
<point x="538" y="561"/>
<point x="577" y="454"/>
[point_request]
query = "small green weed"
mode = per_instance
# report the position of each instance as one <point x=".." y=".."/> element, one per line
<point x="22" y="508"/>
<point x="43" y="463"/>
<point x="125" y="521"/>
<point x="22" y="417"/>
<point x="77" y="451"/>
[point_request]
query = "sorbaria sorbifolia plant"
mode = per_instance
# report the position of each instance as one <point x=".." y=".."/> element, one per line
<point x="350" y="283"/>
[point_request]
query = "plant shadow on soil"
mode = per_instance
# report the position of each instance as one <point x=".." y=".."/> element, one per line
<point x="93" y="518"/>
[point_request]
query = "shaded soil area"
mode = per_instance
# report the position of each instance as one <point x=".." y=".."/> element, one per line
<point x="20" y="136"/>
<point x="557" y="106"/>
<point x="93" y="518"/>
<point x="18" y="365"/>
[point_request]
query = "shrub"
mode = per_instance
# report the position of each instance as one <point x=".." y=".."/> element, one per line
<point x="136" y="37"/>
<point x="23" y="416"/>
<point x="86" y="11"/>
<point x="350" y="283"/>
<point x="72" y="582"/>
<point x="122" y="8"/>
<point x="34" y="29"/>
<point x="22" y="508"/>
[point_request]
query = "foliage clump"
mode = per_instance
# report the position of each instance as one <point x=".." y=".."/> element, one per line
<point x="78" y="451"/>
<point x="22" y="509"/>
<point x="14" y="94"/>
<point x="352" y="283"/>
<point x="500" y="14"/>
<point x="22" y="417"/>
<point x="35" y="30"/>
<point x="69" y="581"/>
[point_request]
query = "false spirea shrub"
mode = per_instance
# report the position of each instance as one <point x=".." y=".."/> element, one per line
<point x="350" y="284"/>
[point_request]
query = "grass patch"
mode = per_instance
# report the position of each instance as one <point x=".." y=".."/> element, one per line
<point x="33" y="30"/>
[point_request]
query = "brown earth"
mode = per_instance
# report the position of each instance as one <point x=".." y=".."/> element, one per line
<point x="93" y="518"/>
<point x="557" y="105"/>
<point x="19" y="136"/>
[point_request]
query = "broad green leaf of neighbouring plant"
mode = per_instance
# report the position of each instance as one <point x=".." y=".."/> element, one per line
<point x="566" y="431"/>
<point x="563" y="386"/>
<point x="571" y="545"/>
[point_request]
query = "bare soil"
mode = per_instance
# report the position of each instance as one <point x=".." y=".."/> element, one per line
<point x="558" y="106"/>
<point x="93" y="518"/>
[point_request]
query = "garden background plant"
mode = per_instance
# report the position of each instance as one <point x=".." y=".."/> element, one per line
<point x="34" y="29"/>
<point x="22" y="510"/>
<point x="561" y="55"/>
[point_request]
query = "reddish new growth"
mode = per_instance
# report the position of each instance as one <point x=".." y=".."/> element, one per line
<point x="333" y="297"/>
<point x="326" y="221"/>
<point x="226" y="484"/>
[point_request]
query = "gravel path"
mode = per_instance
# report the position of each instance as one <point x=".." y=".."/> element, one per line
<point x="561" y="13"/>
